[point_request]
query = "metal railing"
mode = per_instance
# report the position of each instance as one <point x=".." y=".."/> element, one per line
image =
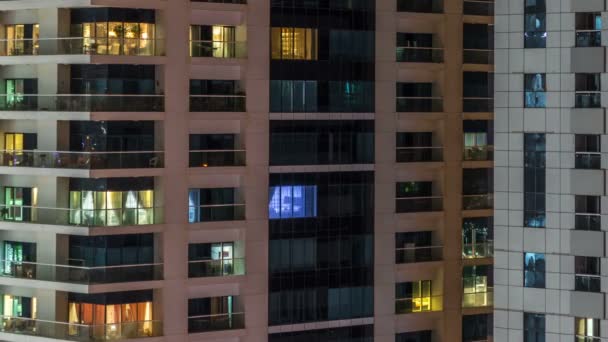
<point x="81" y="217"/>
<point x="477" y="104"/>
<point x="478" y="153"/>
<point x="82" y="46"/>
<point x="82" y="160"/>
<point x="581" y="338"/>
<point x="475" y="202"/>
<point x="587" y="282"/>
<point x="478" y="7"/>
<point x="478" y="56"/>
<point x="218" y="103"/>
<point x="588" y="221"/>
<point x="418" y="304"/>
<point x="412" y="154"/>
<point x="228" y="321"/>
<point x="588" y="160"/>
<point x="478" y="250"/>
<point x="81" y="274"/>
<point x="419" y="104"/>
<point x="220" y="212"/>
<point x="211" y="158"/>
<point x="216" y="268"/>
<point x="588" y="38"/>
<point x="82" y="103"/>
<point x="80" y="332"/>
<point x="419" y="54"/>
<point x="418" y="204"/>
<point x="478" y="299"/>
<point x="420" y="6"/>
<point x="588" y="99"/>
<point x="218" y="49"/>
<point x="408" y="255"/>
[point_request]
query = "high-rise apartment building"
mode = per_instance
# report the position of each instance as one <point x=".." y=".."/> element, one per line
<point x="269" y="170"/>
<point x="550" y="172"/>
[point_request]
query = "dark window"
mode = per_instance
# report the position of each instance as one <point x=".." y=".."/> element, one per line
<point x="534" y="180"/>
<point x="535" y="88"/>
<point x="416" y="247"/>
<point x="477" y="327"/>
<point x="587" y="151"/>
<point x="111" y="136"/>
<point x="477" y="91"/>
<point x="535" y="25"/>
<point x="534" y="327"/>
<point x="215" y="313"/>
<point x="588" y="91"/>
<point x="414" y="336"/>
<point x="113" y="79"/>
<point x="216" y="150"/>
<point x="587" y="212"/>
<point x="588" y="29"/>
<point x="534" y="270"/>
<point x="215" y="204"/>
<point x="93" y="251"/>
<point x="587" y="274"/>
<point x="357" y="333"/>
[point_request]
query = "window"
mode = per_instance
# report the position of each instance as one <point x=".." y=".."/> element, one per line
<point x="535" y="88"/>
<point x="534" y="180"/>
<point x="294" y="43"/>
<point x="477" y="237"/>
<point x="477" y="284"/>
<point x="17" y="306"/>
<point x="587" y="91"/>
<point x="587" y="151"/>
<point x="213" y="259"/>
<point x="292" y="201"/>
<point x="413" y="296"/>
<point x="417" y="147"/>
<point x="414" y="336"/>
<point x="535" y="30"/>
<point x="15" y="254"/>
<point x="19" y="204"/>
<point x="587" y="274"/>
<point x="587" y="329"/>
<point x="112" y="208"/>
<point x="477" y="328"/>
<point x="21" y="94"/>
<point x="416" y="247"/>
<point x="587" y="212"/>
<point x="208" y="150"/>
<point x="417" y="97"/>
<point x="214" y="41"/>
<point x="22" y="39"/>
<point x="215" y="204"/>
<point x="588" y="29"/>
<point x="355" y="333"/>
<point x="534" y="327"/>
<point x="215" y="313"/>
<point x="534" y="270"/>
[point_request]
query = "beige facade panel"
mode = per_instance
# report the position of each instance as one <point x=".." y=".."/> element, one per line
<point x="588" y="59"/>
<point x="587" y="120"/>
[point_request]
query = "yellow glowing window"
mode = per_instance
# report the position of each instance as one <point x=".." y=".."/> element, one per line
<point x="294" y="43"/>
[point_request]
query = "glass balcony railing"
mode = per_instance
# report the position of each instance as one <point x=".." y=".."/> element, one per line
<point x="478" y="153"/>
<point x="420" y="6"/>
<point x="80" y="332"/>
<point x="408" y="255"/>
<point x="478" y="299"/>
<point x="229" y="321"/>
<point x="588" y="283"/>
<point x="478" y="250"/>
<point x="581" y="338"/>
<point x="81" y="274"/>
<point x="220" y="212"/>
<point x="478" y="7"/>
<point x="218" y="49"/>
<point x="588" y="160"/>
<point x="478" y="56"/>
<point x="81" y="217"/>
<point x="217" y="103"/>
<point x="419" y="204"/>
<point x="588" y="99"/>
<point x="419" y="154"/>
<point x="82" y="103"/>
<point x="82" y="46"/>
<point x="588" y="222"/>
<point x="82" y="160"/>
<point x="476" y="202"/>
<point x="211" y="158"/>
<point x="478" y="104"/>
<point x="419" y="54"/>
<point x="588" y="38"/>
<point x="419" y="104"/>
<point x="418" y="304"/>
<point x="216" y="268"/>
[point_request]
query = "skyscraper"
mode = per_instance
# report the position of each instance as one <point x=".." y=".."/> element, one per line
<point x="276" y="170"/>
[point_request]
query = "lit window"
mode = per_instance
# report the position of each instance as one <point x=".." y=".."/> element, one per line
<point x="294" y="43"/>
<point x="292" y="201"/>
<point x="413" y="297"/>
<point x="587" y="329"/>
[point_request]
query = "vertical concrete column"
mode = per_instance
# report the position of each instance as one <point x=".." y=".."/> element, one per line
<point x="175" y="22"/>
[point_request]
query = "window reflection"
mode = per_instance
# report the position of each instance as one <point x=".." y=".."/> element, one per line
<point x="112" y="208"/>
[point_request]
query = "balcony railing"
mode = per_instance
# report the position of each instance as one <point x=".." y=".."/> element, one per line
<point x="82" y="160"/>
<point x="218" y="49"/>
<point x="478" y="104"/>
<point x="478" y="299"/>
<point x="408" y="255"/>
<point x="476" y="202"/>
<point x="82" y="46"/>
<point x="197" y="324"/>
<point x="217" y="103"/>
<point x="418" y="304"/>
<point x="211" y="158"/>
<point x="220" y="212"/>
<point x="581" y="338"/>
<point x="419" y="154"/>
<point x="81" y="274"/>
<point x="478" y="250"/>
<point x="478" y="56"/>
<point x="419" y="54"/>
<point x="588" y="283"/>
<point x="80" y="332"/>
<point x="82" y="103"/>
<point x="216" y="268"/>
<point x="478" y="153"/>
<point x="588" y="160"/>
<point x="588" y="38"/>
<point x="478" y="7"/>
<point x="588" y="99"/>
<point x="420" y="6"/>
<point x="419" y="204"/>
<point x="81" y="217"/>
<point x="588" y="221"/>
<point x="419" y="104"/>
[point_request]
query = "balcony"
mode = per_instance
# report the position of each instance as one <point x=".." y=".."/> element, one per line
<point x="478" y="56"/>
<point x="478" y="153"/>
<point x="478" y="104"/>
<point x="478" y="7"/>
<point x="205" y="323"/>
<point x="80" y="274"/>
<point x="588" y="160"/>
<point x="82" y="160"/>
<point x="478" y="250"/>
<point x="419" y="204"/>
<point x="81" y="46"/>
<point x="216" y="268"/>
<point x="477" y="202"/>
<point x="217" y="103"/>
<point x="82" y="103"/>
<point x="419" y="154"/>
<point x="592" y="222"/>
<point x="216" y="158"/>
<point x="80" y="332"/>
<point x="587" y="283"/>
<point x="420" y="6"/>
<point x="408" y="255"/>
<point x="419" y="104"/>
<point x="218" y="49"/>
<point x="478" y="299"/>
<point x="412" y="54"/>
<point x="220" y="212"/>
<point x="418" y="304"/>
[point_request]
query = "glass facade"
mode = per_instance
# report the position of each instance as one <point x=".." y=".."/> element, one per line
<point x="534" y="327"/>
<point x="534" y="270"/>
<point x="534" y="180"/>
<point x="535" y="24"/>
<point x="215" y="204"/>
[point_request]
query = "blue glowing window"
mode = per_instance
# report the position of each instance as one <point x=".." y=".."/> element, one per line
<point x="292" y="201"/>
